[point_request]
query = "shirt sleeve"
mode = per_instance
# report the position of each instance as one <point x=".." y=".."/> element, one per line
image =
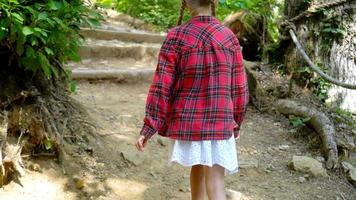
<point x="160" y="90"/>
<point x="239" y="87"/>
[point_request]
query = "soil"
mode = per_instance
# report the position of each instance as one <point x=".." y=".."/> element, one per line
<point x="111" y="168"/>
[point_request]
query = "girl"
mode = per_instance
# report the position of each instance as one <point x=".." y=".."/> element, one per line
<point x="198" y="98"/>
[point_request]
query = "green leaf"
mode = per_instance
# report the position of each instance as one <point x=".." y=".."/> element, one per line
<point x="73" y="86"/>
<point x="42" y="16"/>
<point x="49" y="51"/>
<point x="48" y="144"/>
<point x="27" y="30"/>
<point x="20" y="45"/>
<point x="41" y="31"/>
<point x="54" y="5"/>
<point x="3" y="33"/>
<point x="14" y="1"/>
<point x="46" y="67"/>
<point x="17" y="17"/>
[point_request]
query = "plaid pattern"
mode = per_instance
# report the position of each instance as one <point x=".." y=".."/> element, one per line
<point x="199" y="90"/>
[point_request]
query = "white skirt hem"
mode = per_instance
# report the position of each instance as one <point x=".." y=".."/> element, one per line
<point x="207" y="153"/>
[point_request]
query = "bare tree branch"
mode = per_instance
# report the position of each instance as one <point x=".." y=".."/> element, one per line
<point x="313" y="67"/>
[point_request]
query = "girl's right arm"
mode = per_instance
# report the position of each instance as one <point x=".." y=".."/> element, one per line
<point x="240" y="93"/>
<point x="160" y="90"/>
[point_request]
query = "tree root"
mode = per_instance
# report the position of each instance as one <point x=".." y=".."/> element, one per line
<point x="320" y="122"/>
<point x="11" y="164"/>
<point x="37" y="127"/>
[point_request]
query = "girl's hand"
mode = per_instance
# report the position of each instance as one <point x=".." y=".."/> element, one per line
<point x="141" y="142"/>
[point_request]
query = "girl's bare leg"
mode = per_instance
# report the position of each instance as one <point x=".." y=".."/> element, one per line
<point x="197" y="182"/>
<point x="214" y="180"/>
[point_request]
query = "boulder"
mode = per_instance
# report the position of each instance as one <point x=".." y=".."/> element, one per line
<point x="308" y="165"/>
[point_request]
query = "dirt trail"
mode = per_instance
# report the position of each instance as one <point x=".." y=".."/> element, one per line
<point x="117" y="171"/>
<point x="110" y="168"/>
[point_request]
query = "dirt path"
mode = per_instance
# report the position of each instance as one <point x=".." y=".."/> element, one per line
<point x="117" y="171"/>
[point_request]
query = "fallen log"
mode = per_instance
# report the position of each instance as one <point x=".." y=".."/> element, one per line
<point x="321" y="124"/>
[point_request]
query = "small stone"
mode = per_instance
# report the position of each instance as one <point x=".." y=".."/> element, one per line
<point x="80" y="184"/>
<point x="270" y="167"/>
<point x="233" y="195"/>
<point x="320" y="159"/>
<point x="34" y="167"/>
<point x="100" y="165"/>
<point x="133" y="157"/>
<point x="308" y="165"/>
<point x="246" y="163"/>
<point x="161" y="142"/>
<point x="301" y="179"/>
<point x="153" y="175"/>
<point x="283" y="147"/>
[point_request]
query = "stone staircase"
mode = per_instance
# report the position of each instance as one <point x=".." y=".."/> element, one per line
<point x="117" y="52"/>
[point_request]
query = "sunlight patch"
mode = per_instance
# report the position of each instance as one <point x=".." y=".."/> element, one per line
<point x="126" y="189"/>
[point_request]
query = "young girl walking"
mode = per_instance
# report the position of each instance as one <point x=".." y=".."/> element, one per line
<point x="198" y="98"/>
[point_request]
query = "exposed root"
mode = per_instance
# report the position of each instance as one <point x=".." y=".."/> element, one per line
<point x="320" y="122"/>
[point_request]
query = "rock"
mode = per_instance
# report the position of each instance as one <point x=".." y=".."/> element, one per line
<point x="34" y="167"/>
<point x="350" y="172"/>
<point x="233" y="195"/>
<point x="302" y="179"/>
<point x="246" y="163"/>
<point x="133" y="157"/>
<point x="80" y="184"/>
<point x="320" y="159"/>
<point x="308" y="165"/>
<point x="271" y="167"/>
<point x="283" y="147"/>
<point x="161" y="142"/>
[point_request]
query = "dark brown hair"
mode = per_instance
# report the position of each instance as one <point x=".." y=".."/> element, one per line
<point x="199" y="3"/>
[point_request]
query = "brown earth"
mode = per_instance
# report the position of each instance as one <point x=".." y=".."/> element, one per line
<point x="116" y="170"/>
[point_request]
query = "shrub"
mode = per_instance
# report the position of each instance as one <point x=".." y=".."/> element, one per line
<point x="43" y="34"/>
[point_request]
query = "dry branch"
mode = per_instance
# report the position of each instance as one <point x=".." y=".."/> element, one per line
<point x="313" y="67"/>
<point x="319" y="121"/>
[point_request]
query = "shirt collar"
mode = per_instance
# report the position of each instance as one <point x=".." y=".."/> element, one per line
<point x="204" y="19"/>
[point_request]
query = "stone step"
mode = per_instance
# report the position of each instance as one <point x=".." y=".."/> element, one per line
<point x="114" y="63"/>
<point x="123" y="35"/>
<point x="118" y="49"/>
<point x="129" y="75"/>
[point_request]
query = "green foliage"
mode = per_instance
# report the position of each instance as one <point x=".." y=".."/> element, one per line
<point x="44" y="34"/>
<point x="331" y="29"/>
<point x="158" y="12"/>
<point x="346" y="117"/>
<point x="270" y="10"/>
<point x="48" y="144"/>
<point x="319" y="85"/>
<point x="165" y="13"/>
<point x="298" y="122"/>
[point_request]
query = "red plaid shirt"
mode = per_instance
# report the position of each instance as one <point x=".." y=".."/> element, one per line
<point x="199" y="90"/>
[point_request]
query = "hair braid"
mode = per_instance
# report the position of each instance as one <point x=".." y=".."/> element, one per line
<point x="181" y="13"/>
<point x="213" y="8"/>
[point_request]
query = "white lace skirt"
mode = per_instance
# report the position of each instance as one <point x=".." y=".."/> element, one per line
<point x="208" y="153"/>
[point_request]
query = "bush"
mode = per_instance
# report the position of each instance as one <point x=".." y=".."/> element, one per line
<point x="165" y="13"/>
<point x="42" y="35"/>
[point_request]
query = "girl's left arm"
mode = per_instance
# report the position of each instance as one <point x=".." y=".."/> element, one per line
<point x="160" y="90"/>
